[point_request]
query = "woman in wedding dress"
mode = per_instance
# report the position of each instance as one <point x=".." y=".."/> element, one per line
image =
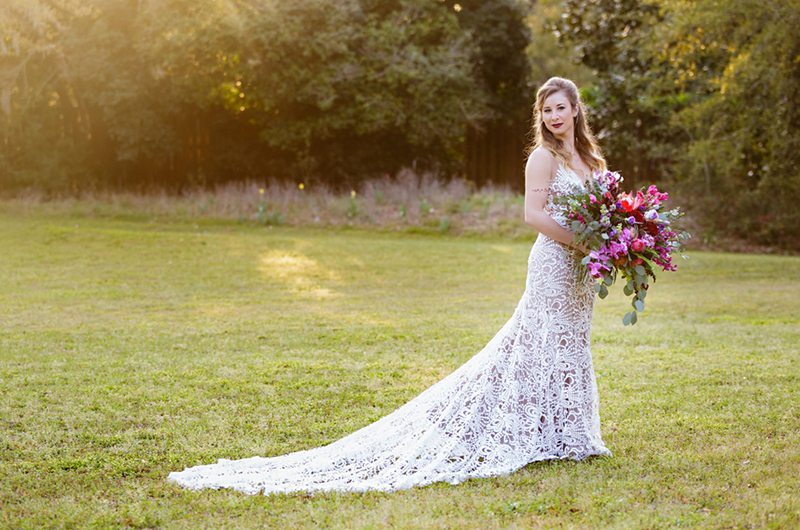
<point x="530" y="394"/>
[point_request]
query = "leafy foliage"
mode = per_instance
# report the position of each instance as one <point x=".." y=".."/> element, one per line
<point x="741" y="162"/>
<point x="703" y="94"/>
<point x="141" y="94"/>
<point x="632" y="123"/>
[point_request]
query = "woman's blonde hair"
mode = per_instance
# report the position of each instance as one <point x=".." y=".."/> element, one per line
<point x="585" y="143"/>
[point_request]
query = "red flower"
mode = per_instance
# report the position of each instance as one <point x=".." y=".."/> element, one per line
<point x="630" y="203"/>
<point x="637" y="245"/>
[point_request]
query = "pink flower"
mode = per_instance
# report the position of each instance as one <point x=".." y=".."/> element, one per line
<point x="617" y="249"/>
<point x="638" y="245"/>
<point x="627" y="235"/>
<point x="596" y="269"/>
<point x="657" y="196"/>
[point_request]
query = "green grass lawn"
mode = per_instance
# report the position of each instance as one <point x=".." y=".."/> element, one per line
<point x="129" y="349"/>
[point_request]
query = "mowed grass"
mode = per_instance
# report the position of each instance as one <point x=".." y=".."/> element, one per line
<point x="129" y="349"/>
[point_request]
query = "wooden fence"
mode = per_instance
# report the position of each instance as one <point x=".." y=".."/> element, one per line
<point x="496" y="154"/>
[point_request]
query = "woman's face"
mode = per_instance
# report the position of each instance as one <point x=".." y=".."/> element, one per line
<point x="558" y="115"/>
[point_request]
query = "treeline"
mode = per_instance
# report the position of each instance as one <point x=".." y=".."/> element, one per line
<point x="174" y="92"/>
<point x="701" y="96"/>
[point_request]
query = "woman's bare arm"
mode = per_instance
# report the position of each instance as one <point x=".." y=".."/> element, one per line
<point x="538" y="174"/>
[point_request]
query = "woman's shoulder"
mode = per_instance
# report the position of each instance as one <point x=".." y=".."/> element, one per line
<point x="541" y="153"/>
<point x="542" y="160"/>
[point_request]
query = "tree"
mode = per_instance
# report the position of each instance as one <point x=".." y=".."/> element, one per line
<point x="740" y="62"/>
<point x="375" y="86"/>
<point x="628" y="114"/>
<point x="102" y="92"/>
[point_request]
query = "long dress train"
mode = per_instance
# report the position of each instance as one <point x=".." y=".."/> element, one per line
<point x="530" y="394"/>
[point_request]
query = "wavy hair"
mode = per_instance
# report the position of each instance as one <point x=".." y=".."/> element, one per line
<point x="585" y="143"/>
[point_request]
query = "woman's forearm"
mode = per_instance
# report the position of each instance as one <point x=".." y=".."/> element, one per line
<point x="545" y="224"/>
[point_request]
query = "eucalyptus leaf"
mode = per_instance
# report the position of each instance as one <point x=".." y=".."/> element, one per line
<point x="603" y="291"/>
<point x="639" y="269"/>
<point x="639" y="305"/>
<point x="628" y="290"/>
<point x="627" y="319"/>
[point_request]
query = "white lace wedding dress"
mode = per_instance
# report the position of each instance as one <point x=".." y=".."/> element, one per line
<point x="530" y="394"/>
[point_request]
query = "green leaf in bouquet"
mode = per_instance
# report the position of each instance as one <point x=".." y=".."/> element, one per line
<point x="596" y="287"/>
<point x="639" y="305"/>
<point x="628" y="290"/>
<point x="639" y="270"/>
<point x="626" y="320"/>
<point x="603" y="291"/>
<point x="641" y="294"/>
<point x="576" y="225"/>
<point x="608" y="280"/>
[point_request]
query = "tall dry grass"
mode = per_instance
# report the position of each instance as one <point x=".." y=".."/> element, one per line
<point x="407" y="201"/>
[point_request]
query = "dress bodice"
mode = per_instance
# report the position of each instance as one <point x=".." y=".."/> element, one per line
<point x="566" y="181"/>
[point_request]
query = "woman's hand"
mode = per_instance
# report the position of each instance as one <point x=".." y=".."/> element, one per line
<point x="582" y="248"/>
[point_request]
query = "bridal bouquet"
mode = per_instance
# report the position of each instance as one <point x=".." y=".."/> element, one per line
<point x="627" y="234"/>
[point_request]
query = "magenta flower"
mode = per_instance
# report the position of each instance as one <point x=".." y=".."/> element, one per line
<point x="618" y="249"/>
<point x="597" y="269"/>
<point x="658" y="196"/>
<point x="627" y="235"/>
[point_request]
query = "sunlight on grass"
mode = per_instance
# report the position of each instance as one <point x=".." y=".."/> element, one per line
<point x="299" y="273"/>
<point x="503" y="249"/>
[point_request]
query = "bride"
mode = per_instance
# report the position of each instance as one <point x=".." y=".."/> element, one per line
<point x="530" y="394"/>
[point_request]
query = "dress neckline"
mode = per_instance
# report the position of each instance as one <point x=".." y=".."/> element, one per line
<point x="580" y="179"/>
